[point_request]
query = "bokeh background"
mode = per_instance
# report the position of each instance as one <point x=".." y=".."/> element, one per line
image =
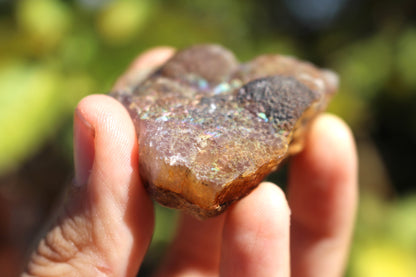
<point x="53" y="53"/>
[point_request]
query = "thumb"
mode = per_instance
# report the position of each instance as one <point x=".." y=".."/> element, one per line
<point x="105" y="226"/>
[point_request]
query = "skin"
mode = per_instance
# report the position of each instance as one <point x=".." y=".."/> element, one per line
<point x="106" y="222"/>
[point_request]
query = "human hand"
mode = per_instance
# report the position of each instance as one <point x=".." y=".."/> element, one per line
<point x="106" y="223"/>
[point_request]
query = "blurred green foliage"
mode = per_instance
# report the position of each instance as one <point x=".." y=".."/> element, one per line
<point x="385" y="239"/>
<point x="53" y="53"/>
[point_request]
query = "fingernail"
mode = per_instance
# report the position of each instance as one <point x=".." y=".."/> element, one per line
<point x="83" y="148"/>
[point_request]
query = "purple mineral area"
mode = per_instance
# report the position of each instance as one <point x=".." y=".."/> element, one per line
<point x="210" y="129"/>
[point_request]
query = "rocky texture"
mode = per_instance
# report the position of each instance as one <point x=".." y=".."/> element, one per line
<point x="210" y="129"/>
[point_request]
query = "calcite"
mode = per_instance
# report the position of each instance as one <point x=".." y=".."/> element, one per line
<point x="210" y="129"/>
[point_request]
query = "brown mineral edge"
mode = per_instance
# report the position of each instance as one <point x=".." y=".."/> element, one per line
<point x="210" y="129"/>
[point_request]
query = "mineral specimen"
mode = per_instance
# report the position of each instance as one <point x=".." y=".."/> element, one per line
<point x="210" y="129"/>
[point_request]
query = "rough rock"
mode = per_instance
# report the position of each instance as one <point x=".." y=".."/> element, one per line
<point x="210" y="129"/>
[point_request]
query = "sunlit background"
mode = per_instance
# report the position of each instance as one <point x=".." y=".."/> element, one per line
<point x="53" y="53"/>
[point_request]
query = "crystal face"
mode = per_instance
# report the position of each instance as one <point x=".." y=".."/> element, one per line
<point x="210" y="129"/>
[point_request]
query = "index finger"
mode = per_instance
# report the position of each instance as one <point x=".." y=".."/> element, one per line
<point x="143" y="65"/>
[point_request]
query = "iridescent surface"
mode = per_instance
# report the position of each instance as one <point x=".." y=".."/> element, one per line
<point x="210" y="129"/>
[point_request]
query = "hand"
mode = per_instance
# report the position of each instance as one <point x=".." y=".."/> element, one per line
<point x="105" y="225"/>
